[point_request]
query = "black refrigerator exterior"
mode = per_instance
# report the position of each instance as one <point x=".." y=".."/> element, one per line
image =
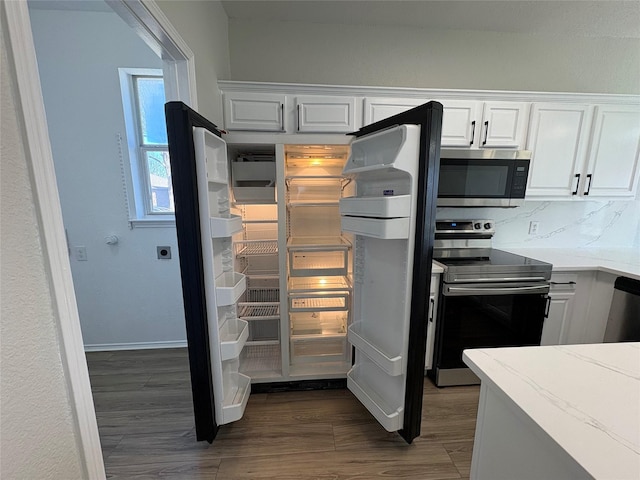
<point x="181" y="121"/>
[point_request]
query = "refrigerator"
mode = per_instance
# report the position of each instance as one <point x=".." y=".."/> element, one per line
<point x="307" y="266"/>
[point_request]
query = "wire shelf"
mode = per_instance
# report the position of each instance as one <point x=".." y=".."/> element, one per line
<point x="310" y="303"/>
<point x="258" y="310"/>
<point x="250" y="248"/>
<point x="263" y="294"/>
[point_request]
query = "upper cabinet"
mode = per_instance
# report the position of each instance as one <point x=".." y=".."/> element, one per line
<point x="465" y="123"/>
<point x="326" y="114"/>
<point x="612" y="167"/>
<point x="581" y="151"/>
<point x="257" y="112"/>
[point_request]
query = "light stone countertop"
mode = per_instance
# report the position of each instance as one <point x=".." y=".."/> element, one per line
<point x="586" y="398"/>
<point x="618" y="261"/>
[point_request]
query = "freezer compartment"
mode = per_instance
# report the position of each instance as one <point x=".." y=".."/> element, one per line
<point x="322" y="301"/>
<point x="378" y="207"/>
<point x="382" y="395"/>
<point x="312" y="284"/>
<point x="318" y="323"/>
<point x="229" y="288"/>
<point x="233" y="335"/>
<point x="225" y="226"/>
<point x="318" y="256"/>
<point x="263" y="319"/>
<point x="249" y="248"/>
<point x="313" y="189"/>
<point x="391" y="363"/>
<point x="383" y="228"/>
<point x="318" y="348"/>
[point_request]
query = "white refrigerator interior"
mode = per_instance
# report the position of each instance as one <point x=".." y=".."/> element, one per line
<point x="384" y="167"/>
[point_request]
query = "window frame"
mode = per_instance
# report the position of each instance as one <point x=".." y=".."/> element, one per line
<point x="134" y="168"/>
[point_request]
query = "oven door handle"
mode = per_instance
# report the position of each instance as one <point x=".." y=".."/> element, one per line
<point x="502" y="279"/>
<point x="460" y="291"/>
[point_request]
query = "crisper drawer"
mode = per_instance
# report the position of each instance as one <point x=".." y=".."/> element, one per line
<point x="318" y="348"/>
<point x="309" y="302"/>
<point x="317" y="262"/>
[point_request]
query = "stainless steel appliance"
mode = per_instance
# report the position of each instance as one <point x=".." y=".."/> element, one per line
<point x="488" y="297"/>
<point x="623" y="324"/>
<point x="483" y="178"/>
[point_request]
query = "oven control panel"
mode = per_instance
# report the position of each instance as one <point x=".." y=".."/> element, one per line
<point x="462" y="227"/>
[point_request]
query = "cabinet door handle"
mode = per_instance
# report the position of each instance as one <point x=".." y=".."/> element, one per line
<point x="486" y="132"/>
<point x="575" y="192"/>
<point x="298" y="125"/>
<point x="431" y="307"/>
<point x="473" y="132"/>
<point x="562" y="283"/>
<point x="282" y="117"/>
<point x="589" y="185"/>
<point x="547" y="308"/>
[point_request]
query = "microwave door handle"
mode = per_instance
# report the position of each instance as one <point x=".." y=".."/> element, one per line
<point x="459" y="291"/>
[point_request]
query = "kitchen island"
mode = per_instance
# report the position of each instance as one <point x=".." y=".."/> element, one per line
<point x="557" y="412"/>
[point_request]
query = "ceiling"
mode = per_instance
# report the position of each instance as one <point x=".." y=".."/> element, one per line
<point x="612" y="18"/>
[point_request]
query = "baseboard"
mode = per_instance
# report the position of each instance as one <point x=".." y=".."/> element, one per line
<point x="105" y="347"/>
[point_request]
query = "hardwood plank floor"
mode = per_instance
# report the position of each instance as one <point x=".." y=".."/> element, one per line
<point x="145" y="419"/>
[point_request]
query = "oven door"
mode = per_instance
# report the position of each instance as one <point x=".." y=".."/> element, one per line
<point x="482" y="316"/>
<point x="485" y="178"/>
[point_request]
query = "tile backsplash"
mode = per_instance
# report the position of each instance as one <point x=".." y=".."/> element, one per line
<point x="562" y="224"/>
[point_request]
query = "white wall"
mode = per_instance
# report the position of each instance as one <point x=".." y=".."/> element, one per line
<point x="125" y="294"/>
<point x="39" y="437"/>
<point x="204" y="26"/>
<point x="297" y="52"/>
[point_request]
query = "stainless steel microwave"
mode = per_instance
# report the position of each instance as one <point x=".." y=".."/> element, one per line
<point x="483" y="178"/>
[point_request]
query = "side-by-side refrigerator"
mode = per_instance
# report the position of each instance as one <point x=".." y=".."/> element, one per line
<point x="386" y="196"/>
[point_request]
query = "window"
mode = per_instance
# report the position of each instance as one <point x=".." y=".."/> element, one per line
<point x="148" y="178"/>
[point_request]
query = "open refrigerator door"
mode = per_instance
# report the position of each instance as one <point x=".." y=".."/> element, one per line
<point x="393" y="165"/>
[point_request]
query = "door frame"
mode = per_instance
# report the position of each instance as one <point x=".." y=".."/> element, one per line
<point x="154" y="27"/>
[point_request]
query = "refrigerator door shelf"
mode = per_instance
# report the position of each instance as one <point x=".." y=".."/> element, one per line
<point x="392" y="364"/>
<point x="389" y="417"/>
<point x="233" y="339"/>
<point x="383" y="228"/>
<point x="379" y="207"/>
<point x="215" y="155"/>
<point x="229" y="287"/>
<point x="235" y="400"/>
<point x="225" y="226"/>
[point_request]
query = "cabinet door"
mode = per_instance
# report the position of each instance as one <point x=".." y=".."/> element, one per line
<point x="612" y="170"/>
<point x="326" y="114"/>
<point x="556" y="323"/>
<point x="460" y="123"/>
<point x="504" y="124"/>
<point x="432" y="310"/>
<point x="260" y="112"/>
<point x="376" y="109"/>
<point x="558" y="138"/>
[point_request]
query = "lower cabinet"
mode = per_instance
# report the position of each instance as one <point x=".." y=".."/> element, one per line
<point x="562" y="298"/>
<point x="432" y="310"/>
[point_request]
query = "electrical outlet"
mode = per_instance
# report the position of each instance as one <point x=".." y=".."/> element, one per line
<point x="164" y="253"/>
<point x="533" y="228"/>
<point x="80" y="253"/>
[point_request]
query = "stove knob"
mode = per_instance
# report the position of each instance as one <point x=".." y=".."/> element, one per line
<point x="477" y="226"/>
<point x="487" y="226"/>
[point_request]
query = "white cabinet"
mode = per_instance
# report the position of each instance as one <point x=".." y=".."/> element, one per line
<point x="465" y="123"/>
<point x="581" y="152"/>
<point x="560" y="309"/>
<point x="248" y="111"/>
<point x="612" y="169"/>
<point x="432" y="311"/>
<point x="558" y="138"/>
<point x="325" y="114"/>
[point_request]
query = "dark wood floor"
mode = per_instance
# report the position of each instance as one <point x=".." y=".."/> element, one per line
<point x="143" y="406"/>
